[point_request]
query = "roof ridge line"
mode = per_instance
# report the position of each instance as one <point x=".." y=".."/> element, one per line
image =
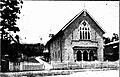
<point x="72" y="20"/>
<point x="96" y="21"/>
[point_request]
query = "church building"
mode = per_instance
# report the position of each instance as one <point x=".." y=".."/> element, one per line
<point x="81" y="39"/>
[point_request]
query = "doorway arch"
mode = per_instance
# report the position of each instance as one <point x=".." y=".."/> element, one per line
<point x="85" y="55"/>
<point x="91" y="57"/>
<point x="79" y="57"/>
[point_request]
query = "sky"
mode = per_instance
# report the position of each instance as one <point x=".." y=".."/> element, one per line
<point x="38" y="19"/>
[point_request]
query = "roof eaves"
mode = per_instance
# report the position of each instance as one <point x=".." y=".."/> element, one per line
<point x="72" y="20"/>
<point x="56" y="35"/>
<point x="96" y="22"/>
<point x="112" y="43"/>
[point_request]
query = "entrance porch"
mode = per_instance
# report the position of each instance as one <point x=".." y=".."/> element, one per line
<point x="85" y="53"/>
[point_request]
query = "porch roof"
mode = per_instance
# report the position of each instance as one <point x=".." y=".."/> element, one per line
<point x="83" y="47"/>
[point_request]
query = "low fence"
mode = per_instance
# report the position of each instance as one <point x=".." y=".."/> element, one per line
<point x="100" y="64"/>
<point x="32" y="66"/>
<point x="86" y="65"/>
<point x="24" y="66"/>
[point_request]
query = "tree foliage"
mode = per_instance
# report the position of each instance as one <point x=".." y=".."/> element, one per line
<point x="32" y="49"/>
<point x="10" y="10"/>
<point x="115" y="37"/>
<point x="9" y="15"/>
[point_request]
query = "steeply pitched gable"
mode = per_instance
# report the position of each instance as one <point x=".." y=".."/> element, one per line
<point x="85" y="12"/>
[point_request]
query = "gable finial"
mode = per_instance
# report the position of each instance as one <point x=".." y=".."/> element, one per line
<point x="84" y="10"/>
<point x="84" y="5"/>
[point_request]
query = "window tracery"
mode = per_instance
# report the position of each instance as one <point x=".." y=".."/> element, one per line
<point x="84" y="30"/>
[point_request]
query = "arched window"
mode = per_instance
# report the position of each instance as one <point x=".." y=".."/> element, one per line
<point x="80" y="35"/>
<point x="84" y="30"/>
<point x="85" y="35"/>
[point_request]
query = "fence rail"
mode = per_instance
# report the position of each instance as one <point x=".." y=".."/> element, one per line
<point x="86" y="65"/>
<point x="64" y="65"/>
<point x="24" y="66"/>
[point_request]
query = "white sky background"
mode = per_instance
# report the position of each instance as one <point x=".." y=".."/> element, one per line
<point x="40" y="18"/>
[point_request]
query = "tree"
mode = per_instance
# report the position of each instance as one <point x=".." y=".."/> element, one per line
<point x="9" y="14"/>
<point x="33" y="49"/>
<point x="115" y="37"/>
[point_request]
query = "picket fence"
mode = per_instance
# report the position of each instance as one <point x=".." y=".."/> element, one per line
<point x="25" y="66"/>
<point x="86" y="65"/>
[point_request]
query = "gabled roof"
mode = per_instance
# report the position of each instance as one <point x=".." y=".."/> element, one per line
<point x="72" y="20"/>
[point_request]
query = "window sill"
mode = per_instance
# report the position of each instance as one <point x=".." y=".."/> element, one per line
<point x="84" y="40"/>
<point x="81" y="40"/>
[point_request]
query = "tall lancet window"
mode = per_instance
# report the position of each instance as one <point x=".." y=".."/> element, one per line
<point x="84" y="30"/>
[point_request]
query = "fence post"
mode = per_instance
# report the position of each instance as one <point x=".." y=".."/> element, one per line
<point x="10" y="66"/>
<point x="21" y="66"/>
